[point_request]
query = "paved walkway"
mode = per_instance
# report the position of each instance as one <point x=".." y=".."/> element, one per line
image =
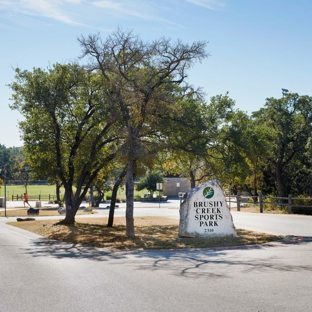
<point x="20" y="204"/>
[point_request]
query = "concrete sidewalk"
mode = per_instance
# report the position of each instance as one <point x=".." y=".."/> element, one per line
<point x="16" y="204"/>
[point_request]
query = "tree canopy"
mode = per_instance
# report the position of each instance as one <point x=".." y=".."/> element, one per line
<point x="150" y="181"/>
<point x="69" y="130"/>
<point x="130" y="108"/>
<point x="142" y="77"/>
<point x="288" y="121"/>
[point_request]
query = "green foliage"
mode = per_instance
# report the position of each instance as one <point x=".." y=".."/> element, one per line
<point x="137" y="195"/>
<point x="109" y="197"/>
<point x="288" y="123"/>
<point x="143" y="77"/>
<point x="301" y="210"/>
<point x="11" y="159"/>
<point x="304" y="201"/>
<point x="134" y="110"/>
<point x="150" y="182"/>
<point x="70" y="125"/>
<point x="194" y="148"/>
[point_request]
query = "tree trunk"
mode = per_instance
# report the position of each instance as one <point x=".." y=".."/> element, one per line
<point x="114" y="196"/>
<point x="100" y="198"/>
<point x="130" y="199"/>
<point x="255" y="199"/>
<point x="279" y="180"/>
<point x="91" y="196"/>
<point x="58" y="186"/>
<point x="72" y="205"/>
<point x="192" y="179"/>
<point x="70" y="216"/>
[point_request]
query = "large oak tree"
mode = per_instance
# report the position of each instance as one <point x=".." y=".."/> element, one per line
<point x="142" y="76"/>
<point x="70" y="127"/>
<point x="288" y="120"/>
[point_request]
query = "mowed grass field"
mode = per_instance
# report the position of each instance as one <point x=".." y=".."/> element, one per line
<point x="34" y="191"/>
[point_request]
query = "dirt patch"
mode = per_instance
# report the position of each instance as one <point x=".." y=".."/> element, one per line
<point x="151" y="233"/>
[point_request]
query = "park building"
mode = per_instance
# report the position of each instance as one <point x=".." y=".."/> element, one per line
<point x="173" y="184"/>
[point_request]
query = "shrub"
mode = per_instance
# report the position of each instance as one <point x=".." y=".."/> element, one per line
<point x="301" y="210"/>
<point x="300" y="202"/>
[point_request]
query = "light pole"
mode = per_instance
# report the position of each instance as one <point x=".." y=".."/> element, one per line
<point x="4" y="170"/>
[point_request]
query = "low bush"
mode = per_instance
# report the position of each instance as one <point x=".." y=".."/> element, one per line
<point x="301" y="210"/>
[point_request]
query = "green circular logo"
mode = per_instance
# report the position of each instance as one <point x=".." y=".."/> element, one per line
<point x="208" y="192"/>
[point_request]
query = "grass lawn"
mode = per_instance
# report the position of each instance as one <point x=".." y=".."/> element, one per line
<point x="45" y="190"/>
<point x="151" y="233"/>
<point x="33" y="191"/>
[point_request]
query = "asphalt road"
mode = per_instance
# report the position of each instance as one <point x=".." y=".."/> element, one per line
<point x="37" y="274"/>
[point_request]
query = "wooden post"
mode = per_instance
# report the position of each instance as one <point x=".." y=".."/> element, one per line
<point x="289" y="204"/>
<point x="261" y="202"/>
<point x="238" y="200"/>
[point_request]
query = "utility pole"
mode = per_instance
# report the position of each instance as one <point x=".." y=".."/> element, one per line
<point x="5" y="194"/>
<point x="4" y="170"/>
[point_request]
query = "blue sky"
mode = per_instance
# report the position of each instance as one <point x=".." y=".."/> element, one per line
<point x="256" y="47"/>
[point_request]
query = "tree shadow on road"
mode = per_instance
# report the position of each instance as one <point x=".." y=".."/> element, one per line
<point x="190" y="263"/>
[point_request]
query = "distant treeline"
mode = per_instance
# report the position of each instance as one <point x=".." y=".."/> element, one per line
<point x="31" y="182"/>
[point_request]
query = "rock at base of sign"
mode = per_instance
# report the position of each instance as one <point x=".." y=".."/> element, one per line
<point x="204" y="212"/>
<point x="25" y="219"/>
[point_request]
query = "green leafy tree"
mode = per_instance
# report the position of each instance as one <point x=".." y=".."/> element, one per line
<point x="289" y="122"/>
<point x="194" y="137"/>
<point x="141" y="76"/>
<point x="70" y="127"/>
<point x="256" y="149"/>
<point x="6" y="160"/>
<point x="150" y="182"/>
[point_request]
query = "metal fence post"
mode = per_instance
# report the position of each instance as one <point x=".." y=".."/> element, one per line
<point x="238" y="200"/>
<point x="289" y="204"/>
<point x="261" y="202"/>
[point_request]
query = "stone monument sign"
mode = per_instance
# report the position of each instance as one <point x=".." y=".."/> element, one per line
<point x="204" y="212"/>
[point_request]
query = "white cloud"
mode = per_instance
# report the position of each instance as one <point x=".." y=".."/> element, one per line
<point x="68" y="11"/>
<point x="47" y="8"/>
<point x="138" y="9"/>
<point x="106" y="4"/>
<point x="208" y="4"/>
